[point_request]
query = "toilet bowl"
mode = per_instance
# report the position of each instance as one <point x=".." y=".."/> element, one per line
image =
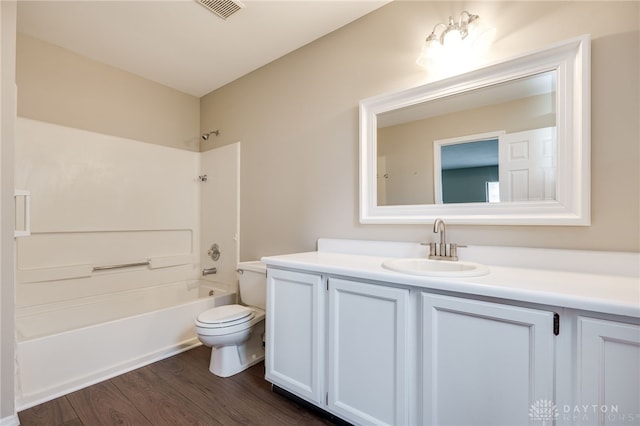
<point x="235" y="333"/>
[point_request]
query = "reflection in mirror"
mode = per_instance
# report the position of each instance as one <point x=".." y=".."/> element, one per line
<point x="536" y="105"/>
<point x="466" y="171"/>
<point x="511" y="114"/>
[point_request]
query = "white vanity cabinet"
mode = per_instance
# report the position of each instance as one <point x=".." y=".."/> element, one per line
<point x="295" y="333"/>
<point x="483" y="363"/>
<point x="514" y="347"/>
<point x="608" y="368"/>
<point x="368" y="352"/>
<point x="360" y="372"/>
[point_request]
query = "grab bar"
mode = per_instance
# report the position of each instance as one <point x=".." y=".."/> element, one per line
<point x="122" y="265"/>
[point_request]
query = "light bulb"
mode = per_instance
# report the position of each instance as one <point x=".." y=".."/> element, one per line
<point x="452" y="39"/>
<point x="431" y="54"/>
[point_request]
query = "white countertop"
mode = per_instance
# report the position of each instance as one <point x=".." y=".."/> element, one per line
<point x="611" y="294"/>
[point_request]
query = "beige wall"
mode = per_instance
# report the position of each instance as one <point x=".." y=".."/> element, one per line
<point x="297" y="119"/>
<point x="61" y="87"/>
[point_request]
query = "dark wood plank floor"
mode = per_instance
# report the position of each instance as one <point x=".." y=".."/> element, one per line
<point x="175" y="391"/>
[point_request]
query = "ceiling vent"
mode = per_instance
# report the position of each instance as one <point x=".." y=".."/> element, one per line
<point x="222" y="8"/>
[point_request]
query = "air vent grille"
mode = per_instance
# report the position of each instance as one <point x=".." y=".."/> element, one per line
<point x="222" y="8"/>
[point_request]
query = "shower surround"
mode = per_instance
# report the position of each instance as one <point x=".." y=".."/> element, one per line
<point x="115" y="251"/>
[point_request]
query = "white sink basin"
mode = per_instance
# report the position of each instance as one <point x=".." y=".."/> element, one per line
<point x="435" y="268"/>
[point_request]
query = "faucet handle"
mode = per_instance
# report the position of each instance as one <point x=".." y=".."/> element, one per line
<point x="453" y="250"/>
<point x="432" y="248"/>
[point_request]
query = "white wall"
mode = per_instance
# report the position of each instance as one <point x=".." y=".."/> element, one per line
<point x="101" y="200"/>
<point x="7" y="135"/>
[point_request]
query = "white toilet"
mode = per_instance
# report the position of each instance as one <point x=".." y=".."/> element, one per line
<point x="235" y="333"/>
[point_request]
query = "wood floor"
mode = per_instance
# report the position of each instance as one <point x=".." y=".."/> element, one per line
<point x="175" y="391"/>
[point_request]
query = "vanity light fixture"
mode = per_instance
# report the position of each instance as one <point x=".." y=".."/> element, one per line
<point x="458" y="43"/>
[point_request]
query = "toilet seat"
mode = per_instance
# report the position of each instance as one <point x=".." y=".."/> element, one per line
<point x="225" y="316"/>
<point x="245" y="318"/>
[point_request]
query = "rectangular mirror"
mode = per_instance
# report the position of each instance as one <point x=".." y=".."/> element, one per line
<point x="505" y="144"/>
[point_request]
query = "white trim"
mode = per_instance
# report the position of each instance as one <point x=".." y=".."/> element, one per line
<point x="10" y="421"/>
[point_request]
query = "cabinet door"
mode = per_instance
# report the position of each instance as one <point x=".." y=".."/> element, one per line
<point x="368" y="353"/>
<point x="294" y="333"/>
<point x="608" y="373"/>
<point x="485" y="363"/>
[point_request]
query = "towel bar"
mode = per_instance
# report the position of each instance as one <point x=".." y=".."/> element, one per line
<point x="122" y="265"/>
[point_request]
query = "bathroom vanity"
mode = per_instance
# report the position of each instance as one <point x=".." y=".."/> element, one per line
<point x="519" y="345"/>
<point x="377" y="333"/>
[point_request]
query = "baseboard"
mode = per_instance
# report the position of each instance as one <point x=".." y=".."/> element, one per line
<point x="10" y="421"/>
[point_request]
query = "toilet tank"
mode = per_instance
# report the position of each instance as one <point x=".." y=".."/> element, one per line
<point x="253" y="283"/>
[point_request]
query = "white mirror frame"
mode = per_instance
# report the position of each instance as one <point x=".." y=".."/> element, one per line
<point x="571" y="60"/>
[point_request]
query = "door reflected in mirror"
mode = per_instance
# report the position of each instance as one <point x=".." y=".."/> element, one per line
<point x="493" y="144"/>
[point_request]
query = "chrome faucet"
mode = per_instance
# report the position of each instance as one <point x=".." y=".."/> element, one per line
<point x="442" y="251"/>
<point x="209" y="271"/>
<point x="439" y="226"/>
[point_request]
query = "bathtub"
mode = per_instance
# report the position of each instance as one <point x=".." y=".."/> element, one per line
<point x="64" y="347"/>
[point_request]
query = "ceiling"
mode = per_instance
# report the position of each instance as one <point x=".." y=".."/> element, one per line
<point x="180" y="43"/>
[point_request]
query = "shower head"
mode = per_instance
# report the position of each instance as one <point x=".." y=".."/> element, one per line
<point x="205" y="136"/>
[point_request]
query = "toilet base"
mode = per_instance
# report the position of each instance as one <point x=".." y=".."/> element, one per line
<point x="229" y="360"/>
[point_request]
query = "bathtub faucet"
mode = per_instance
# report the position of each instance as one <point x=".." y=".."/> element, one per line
<point x="209" y="271"/>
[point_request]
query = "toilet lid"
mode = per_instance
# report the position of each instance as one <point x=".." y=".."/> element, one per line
<point x="224" y="315"/>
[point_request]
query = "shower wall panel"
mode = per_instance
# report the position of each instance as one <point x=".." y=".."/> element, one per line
<point x="99" y="200"/>
<point x="220" y="209"/>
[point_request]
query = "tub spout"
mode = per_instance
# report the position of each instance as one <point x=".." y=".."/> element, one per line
<point x="209" y="271"/>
